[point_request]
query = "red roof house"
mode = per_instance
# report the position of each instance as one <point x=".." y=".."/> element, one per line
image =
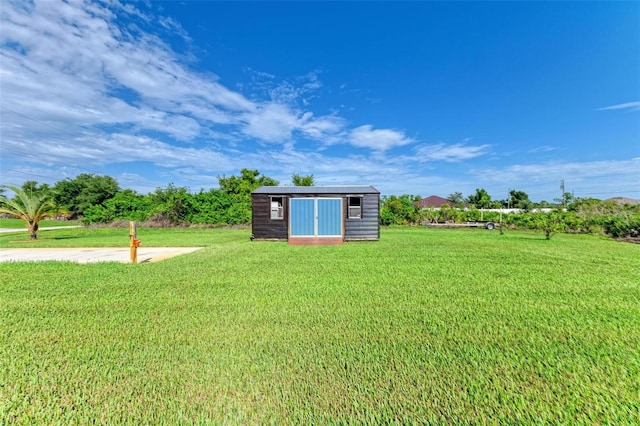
<point x="433" y="201"/>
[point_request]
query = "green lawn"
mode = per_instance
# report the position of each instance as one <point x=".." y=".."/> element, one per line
<point x="426" y="325"/>
<point x="17" y="223"/>
<point x="119" y="237"/>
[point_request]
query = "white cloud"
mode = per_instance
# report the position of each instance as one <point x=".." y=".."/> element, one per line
<point x="182" y="128"/>
<point x="324" y="129"/>
<point x="327" y="170"/>
<point x="377" y="140"/>
<point x="71" y="66"/>
<point x="557" y="171"/>
<point x="588" y="179"/>
<point x="543" y="148"/>
<point x="632" y="106"/>
<point x="71" y="63"/>
<point x="450" y="153"/>
<point x="270" y="122"/>
<point x="145" y="149"/>
<point x="298" y="91"/>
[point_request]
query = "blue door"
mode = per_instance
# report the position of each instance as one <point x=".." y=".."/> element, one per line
<point x="315" y="217"/>
<point x="302" y="217"/>
<point x="329" y="217"/>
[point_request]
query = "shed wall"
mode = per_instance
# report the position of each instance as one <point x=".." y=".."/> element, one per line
<point x="367" y="227"/>
<point x="262" y="226"/>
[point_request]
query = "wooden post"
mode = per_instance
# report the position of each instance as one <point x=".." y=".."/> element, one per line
<point x="133" y="243"/>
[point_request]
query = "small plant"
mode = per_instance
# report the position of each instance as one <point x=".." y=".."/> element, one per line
<point x="550" y="223"/>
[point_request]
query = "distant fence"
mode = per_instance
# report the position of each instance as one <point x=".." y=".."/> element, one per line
<point x="507" y="211"/>
<point x="503" y="211"/>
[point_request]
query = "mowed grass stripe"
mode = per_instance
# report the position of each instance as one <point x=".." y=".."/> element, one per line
<point x="423" y="325"/>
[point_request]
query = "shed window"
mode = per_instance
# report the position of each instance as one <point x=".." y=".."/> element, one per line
<point x="277" y="209"/>
<point x="355" y="207"/>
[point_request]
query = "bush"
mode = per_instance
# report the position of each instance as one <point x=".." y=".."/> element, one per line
<point x="622" y="226"/>
<point x="400" y="210"/>
<point x="96" y="214"/>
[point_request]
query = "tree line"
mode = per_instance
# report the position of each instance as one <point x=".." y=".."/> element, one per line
<point x="567" y="214"/>
<point x="95" y="199"/>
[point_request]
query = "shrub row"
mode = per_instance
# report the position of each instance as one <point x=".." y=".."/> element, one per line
<point x="590" y="216"/>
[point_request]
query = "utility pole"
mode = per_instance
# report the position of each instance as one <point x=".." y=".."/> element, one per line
<point x="564" y="198"/>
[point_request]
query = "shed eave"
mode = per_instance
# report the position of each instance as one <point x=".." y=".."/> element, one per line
<point x="316" y="190"/>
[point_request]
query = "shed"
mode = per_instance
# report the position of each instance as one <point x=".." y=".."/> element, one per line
<point x="312" y="215"/>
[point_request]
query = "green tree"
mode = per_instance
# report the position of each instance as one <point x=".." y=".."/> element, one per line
<point x="456" y="198"/>
<point x="31" y="208"/>
<point x="566" y="199"/>
<point x="481" y="199"/>
<point x="125" y="205"/>
<point x="129" y="205"/>
<point x="97" y="214"/>
<point x="298" y="180"/>
<point x="519" y="200"/>
<point x="244" y="184"/>
<point x="172" y="205"/>
<point x="239" y="188"/>
<point x="79" y="194"/>
<point x="212" y="207"/>
<point x="32" y="187"/>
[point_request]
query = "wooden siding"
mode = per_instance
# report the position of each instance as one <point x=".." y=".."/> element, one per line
<point x="368" y="226"/>
<point x="262" y="226"/>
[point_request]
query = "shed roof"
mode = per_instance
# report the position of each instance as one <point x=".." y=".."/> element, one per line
<point x="354" y="189"/>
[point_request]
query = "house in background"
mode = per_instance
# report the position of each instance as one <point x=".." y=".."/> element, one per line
<point x="433" y="201"/>
<point x="312" y="215"/>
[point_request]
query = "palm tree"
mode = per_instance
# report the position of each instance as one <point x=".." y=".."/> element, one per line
<point x="29" y="207"/>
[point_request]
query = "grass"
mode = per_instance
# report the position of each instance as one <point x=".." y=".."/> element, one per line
<point x="426" y="325"/>
<point x="119" y="237"/>
<point x="20" y="224"/>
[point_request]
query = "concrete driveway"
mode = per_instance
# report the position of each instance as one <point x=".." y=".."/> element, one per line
<point x="86" y="254"/>
<point x="91" y="254"/>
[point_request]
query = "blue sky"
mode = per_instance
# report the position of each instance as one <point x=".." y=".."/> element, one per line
<point x="423" y="98"/>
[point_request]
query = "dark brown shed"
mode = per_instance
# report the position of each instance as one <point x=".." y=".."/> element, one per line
<point x="316" y="214"/>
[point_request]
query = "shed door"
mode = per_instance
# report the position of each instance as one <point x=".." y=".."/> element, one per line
<point x="302" y="217"/>
<point x="315" y="217"/>
<point x="329" y="217"/>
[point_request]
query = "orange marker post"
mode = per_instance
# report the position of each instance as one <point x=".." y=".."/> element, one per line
<point x="133" y="243"/>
